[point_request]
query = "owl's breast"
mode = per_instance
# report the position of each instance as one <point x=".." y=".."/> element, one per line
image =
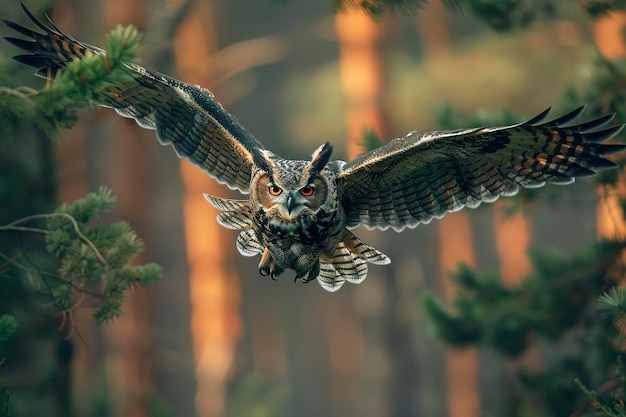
<point x="298" y="244"/>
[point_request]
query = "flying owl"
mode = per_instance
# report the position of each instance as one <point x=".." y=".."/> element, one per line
<point x="300" y="214"/>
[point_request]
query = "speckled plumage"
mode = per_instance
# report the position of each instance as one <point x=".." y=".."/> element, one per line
<point x="299" y="213"/>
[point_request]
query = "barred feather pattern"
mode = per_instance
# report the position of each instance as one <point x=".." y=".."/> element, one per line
<point x="343" y="266"/>
<point x="248" y="244"/>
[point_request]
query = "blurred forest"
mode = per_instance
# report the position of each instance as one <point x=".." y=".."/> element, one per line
<point x="504" y="335"/>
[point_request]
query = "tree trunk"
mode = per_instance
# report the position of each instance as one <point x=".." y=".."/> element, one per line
<point x="456" y="246"/>
<point x="214" y="284"/>
<point x="129" y="341"/>
<point x="389" y="336"/>
<point x="608" y="33"/>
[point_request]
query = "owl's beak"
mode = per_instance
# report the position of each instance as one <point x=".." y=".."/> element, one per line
<point x="290" y="203"/>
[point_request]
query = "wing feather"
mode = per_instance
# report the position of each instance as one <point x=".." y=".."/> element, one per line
<point x="426" y="175"/>
<point x="184" y="116"/>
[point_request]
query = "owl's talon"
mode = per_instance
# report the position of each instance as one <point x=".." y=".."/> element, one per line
<point x="313" y="273"/>
<point x="267" y="266"/>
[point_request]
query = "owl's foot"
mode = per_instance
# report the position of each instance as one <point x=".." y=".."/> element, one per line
<point x="313" y="273"/>
<point x="267" y="266"/>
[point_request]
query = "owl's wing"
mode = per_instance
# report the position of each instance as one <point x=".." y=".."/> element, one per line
<point x="422" y="176"/>
<point x="184" y="116"/>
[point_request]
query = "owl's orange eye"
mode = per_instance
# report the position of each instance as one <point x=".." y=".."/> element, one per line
<point x="308" y="190"/>
<point x="274" y="189"/>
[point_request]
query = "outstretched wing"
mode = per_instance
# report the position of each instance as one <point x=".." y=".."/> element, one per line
<point x="413" y="179"/>
<point x="184" y="116"/>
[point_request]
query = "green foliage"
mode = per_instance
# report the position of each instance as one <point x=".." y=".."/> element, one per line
<point x="557" y="298"/>
<point x="608" y="400"/>
<point x="488" y="312"/>
<point x="6" y="406"/>
<point x="255" y="397"/>
<point x="599" y="8"/>
<point x="602" y="86"/>
<point x="93" y="260"/>
<point x="371" y="140"/>
<point x="447" y="119"/>
<point x="377" y="8"/>
<point x="8" y="326"/>
<point x="56" y="106"/>
<point x="613" y="304"/>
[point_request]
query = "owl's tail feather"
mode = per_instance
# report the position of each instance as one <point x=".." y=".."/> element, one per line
<point x="363" y="250"/>
<point x="348" y="263"/>
<point x="343" y="266"/>
<point x="248" y="244"/>
<point x="328" y="277"/>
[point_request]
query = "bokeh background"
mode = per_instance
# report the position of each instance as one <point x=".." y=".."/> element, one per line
<point x="212" y="337"/>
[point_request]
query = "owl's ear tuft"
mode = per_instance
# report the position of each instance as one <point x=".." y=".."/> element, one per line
<point x="320" y="158"/>
<point x="263" y="159"/>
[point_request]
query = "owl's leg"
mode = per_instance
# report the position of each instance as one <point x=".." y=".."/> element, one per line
<point x="313" y="273"/>
<point x="267" y="266"/>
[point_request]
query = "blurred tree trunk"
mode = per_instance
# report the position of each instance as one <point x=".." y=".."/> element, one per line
<point x="128" y="341"/>
<point x="608" y="34"/>
<point x="432" y="26"/>
<point x="72" y="184"/>
<point x="457" y="246"/>
<point x="363" y="83"/>
<point x="214" y="284"/>
<point x="361" y="72"/>
<point x="360" y="69"/>
<point x="513" y="237"/>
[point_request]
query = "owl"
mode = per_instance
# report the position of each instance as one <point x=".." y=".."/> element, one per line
<point x="300" y="215"/>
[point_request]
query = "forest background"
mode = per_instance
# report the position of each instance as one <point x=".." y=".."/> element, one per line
<point x="213" y="338"/>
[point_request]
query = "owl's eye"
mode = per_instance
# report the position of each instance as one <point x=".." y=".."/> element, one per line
<point x="274" y="189"/>
<point x="308" y="190"/>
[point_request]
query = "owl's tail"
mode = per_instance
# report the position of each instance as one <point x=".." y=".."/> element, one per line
<point x="348" y="263"/>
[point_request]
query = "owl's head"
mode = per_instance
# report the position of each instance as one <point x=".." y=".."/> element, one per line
<point x="288" y="189"/>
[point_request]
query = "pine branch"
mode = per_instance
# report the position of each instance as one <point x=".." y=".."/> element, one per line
<point x="8" y="326"/>
<point x="487" y="312"/>
<point x="93" y="260"/>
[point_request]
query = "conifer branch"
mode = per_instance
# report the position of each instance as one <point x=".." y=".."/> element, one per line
<point x="89" y="257"/>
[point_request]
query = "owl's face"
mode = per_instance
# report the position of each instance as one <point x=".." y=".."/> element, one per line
<point x="288" y="195"/>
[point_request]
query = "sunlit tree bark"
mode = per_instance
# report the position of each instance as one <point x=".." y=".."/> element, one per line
<point x="608" y="34"/>
<point x="432" y="26"/>
<point x="362" y="84"/>
<point x="73" y="183"/>
<point x="456" y="246"/>
<point x="128" y="356"/>
<point x="361" y="73"/>
<point x="389" y="337"/>
<point x="214" y="284"/>
<point x="513" y="237"/>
